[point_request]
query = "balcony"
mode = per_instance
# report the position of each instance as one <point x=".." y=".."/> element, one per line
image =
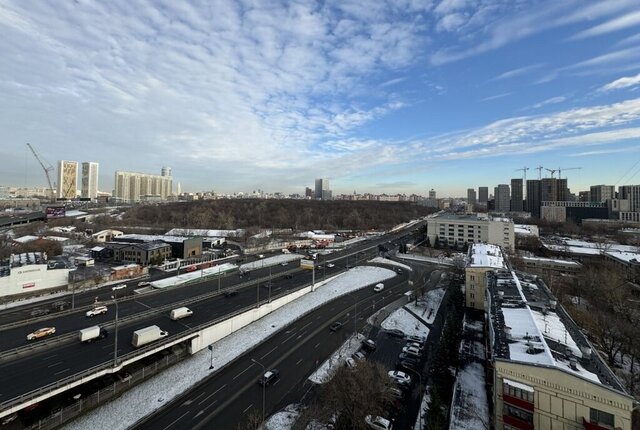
<point x="593" y="426"/>
<point x="517" y="423"/>
<point x="516" y="401"/>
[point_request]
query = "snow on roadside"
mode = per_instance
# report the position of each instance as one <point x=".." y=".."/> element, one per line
<point x="381" y="260"/>
<point x="405" y="322"/>
<point x="284" y="419"/>
<point x="270" y="261"/>
<point x="427" y="307"/>
<point x="327" y="369"/>
<point x="147" y="397"/>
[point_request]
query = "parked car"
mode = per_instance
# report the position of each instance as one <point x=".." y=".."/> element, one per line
<point x="405" y="356"/>
<point x="394" y="332"/>
<point x="230" y="293"/>
<point x="9" y="418"/>
<point x="39" y="312"/>
<point x="269" y="377"/>
<point x="416" y="339"/>
<point x="98" y="310"/>
<point x="399" y="270"/>
<point x="350" y="362"/>
<point x="400" y="377"/>
<point x="336" y="326"/>
<point x="41" y="332"/>
<point x="369" y="344"/>
<point x="415" y="345"/>
<point x="396" y="393"/>
<point x="378" y="423"/>
<point x="379" y="287"/>
<point x="358" y="355"/>
<point x="284" y="263"/>
<point x="411" y="351"/>
<point x="407" y="364"/>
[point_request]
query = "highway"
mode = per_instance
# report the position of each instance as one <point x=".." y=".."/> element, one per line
<point x="223" y="400"/>
<point x="57" y="360"/>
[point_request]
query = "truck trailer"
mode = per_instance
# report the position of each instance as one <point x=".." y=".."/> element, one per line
<point x="147" y="335"/>
<point x="92" y="333"/>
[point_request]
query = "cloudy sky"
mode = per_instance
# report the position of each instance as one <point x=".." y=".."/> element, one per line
<point x="397" y="96"/>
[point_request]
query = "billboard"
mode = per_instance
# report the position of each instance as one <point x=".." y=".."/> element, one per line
<point x="306" y="264"/>
<point x="55" y="212"/>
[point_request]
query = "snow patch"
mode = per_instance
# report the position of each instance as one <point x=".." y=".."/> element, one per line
<point x="381" y="260"/>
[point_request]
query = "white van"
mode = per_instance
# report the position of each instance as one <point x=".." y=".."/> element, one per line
<point x="180" y="313"/>
<point x="379" y="287"/>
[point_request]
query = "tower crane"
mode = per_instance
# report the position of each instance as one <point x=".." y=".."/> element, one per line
<point x="551" y="170"/>
<point x="539" y="169"/>
<point x="46" y="169"/>
<point x="566" y="168"/>
<point x="524" y="170"/>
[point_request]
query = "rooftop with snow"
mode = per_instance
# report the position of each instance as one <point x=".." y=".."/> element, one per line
<point x="528" y="325"/>
<point x="486" y="255"/>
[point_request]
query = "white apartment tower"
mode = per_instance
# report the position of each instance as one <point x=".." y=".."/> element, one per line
<point x="89" y="189"/>
<point x="133" y="187"/>
<point x="67" y="179"/>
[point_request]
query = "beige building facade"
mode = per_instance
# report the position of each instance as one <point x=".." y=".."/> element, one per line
<point x="453" y="230"/>
<point x="67" y="179"/>
<point x="134" y="187"/>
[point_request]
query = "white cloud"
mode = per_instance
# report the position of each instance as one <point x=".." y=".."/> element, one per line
<point x="517" y="72"/>
<point x="626" y="82"/>
<point x="616" y="24"/>
<point x="549" y="101"/>
<point x="606" y="151"/>
<point x="495" y="97"/>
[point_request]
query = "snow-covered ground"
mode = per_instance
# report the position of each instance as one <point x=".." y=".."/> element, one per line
<point x="405" y="322"/>
<point x="145" y="398"/>
<point x="470" y="407"/>
<point x="428" y="306"/>
<point x="424" y="408"/>
<point x="326" y="370"/>
<point x="270" y="261"/>
<point x="437" y="260"/>
<point x="381" y="260"/>
<point x="284" y="419"/>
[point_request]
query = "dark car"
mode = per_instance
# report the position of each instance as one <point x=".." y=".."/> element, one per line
<point x="336" y="326"/>
<point x="407" y="356"/>
<point x="288" y="275"/>
<point x="407" y="363"/>
<point x="394" y="332"/>
<point x="369" y="344"/>
<point x="269" y="377"/>
<point x="39" y="312"/>
<point x="60" y="305"/>
<point x="230" y="293"/>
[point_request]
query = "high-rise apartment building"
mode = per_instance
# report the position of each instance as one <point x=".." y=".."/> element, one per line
<point x="89" y="182"/>
<point x="432" y="194"/>
<point x="133" y="187"/>
<point x="483" y="195"/>
<point x="322" y="189"/>
<point x="631" y="193"/>
<point x="458" y="230"/>
<point x="308" y="192"/>
<point x="67" y="179"/>
<point x="602" y="193"/>
<point x="471" y="196"/>
<point x="533" y="197"/>
<point x="502" y="198"/>
<point x="166" y="171"/>
<point x="516" y="195"/>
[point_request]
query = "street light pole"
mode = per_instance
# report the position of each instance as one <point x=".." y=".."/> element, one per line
<point x="264" y="385"/>
<point x="115" y="343"/>
<point x="211" y="349"/>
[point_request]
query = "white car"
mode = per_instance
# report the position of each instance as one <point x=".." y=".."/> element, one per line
<point x="411" y="350"/>
<point x="379" y="287"/>
<point x="378" y="423"/>
<point x="400" y="377"/>
<point x="98" y="310"/>
<point x="330" y="265"/>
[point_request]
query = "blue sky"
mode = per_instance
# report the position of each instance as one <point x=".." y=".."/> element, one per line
<point x="398" y="96"/>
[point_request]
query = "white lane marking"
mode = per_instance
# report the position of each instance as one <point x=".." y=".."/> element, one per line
<point x="299" y="361"/>
<point x="287" y="339"/>
<point x="55" y="364"/>
<point x="176" y="420"/>
<point x="274" y="348"/>
<point x="49" y="357"/>
<point x="212" y="394"/>
<point x="62" y="371"/>
<point x="243" y="371"/>
<point x="304" y="326"/>
<point x="248" y="407"/>
<point x="146" y="306"/>
<point x="317" y="345"/>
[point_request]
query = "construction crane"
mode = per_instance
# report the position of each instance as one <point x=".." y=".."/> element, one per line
<point x="524" y="170"/>
<point x="46" y="171"/>
<point x="539" y="169"/>
<point x="551" y="170"/>
<point x="566" y="168"/>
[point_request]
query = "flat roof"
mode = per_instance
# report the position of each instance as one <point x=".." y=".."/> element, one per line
<point x="152" y="238"/>
<point x="486" y="255"/>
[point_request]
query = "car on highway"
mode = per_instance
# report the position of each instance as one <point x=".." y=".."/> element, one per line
<point x="330" y="265"/>
<point x="335" y="326"/>
<point x="379" y="287"/>
<point x="98" y="310"/>
<point x="289" y="276"/>
<point x="378" y="423"/>
<point x="269" y="377"/>
<point x="41" y="332"/>
<point x="39" y="312"/>
<point x="400" y="377"/>
<point x="230" y="293"/>
<point x="284" y="263"/>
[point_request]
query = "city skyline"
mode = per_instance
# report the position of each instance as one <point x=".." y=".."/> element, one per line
<point x="382" y="99"/>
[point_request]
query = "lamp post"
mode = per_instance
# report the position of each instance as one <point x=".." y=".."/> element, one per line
<point x="211" y="350"/>
<point x="264" y="385"/>
<point x="115" y="342"/>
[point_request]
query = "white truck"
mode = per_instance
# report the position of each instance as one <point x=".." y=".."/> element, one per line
<point x="180" y="313"/>
<point x="147" y="335"/>
<point x="92" y="333"/>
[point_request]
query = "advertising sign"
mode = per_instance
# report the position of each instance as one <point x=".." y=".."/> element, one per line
<point x="55" y="212"/>
<point x="306" y="264"/>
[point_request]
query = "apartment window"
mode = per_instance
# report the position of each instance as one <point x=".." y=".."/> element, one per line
<point x="518" y="413"/>
<point x="471" y="295"/>
<point x="512" y="391"/>
<point x="601" y="418"/>
<point x="472" y="277"/>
